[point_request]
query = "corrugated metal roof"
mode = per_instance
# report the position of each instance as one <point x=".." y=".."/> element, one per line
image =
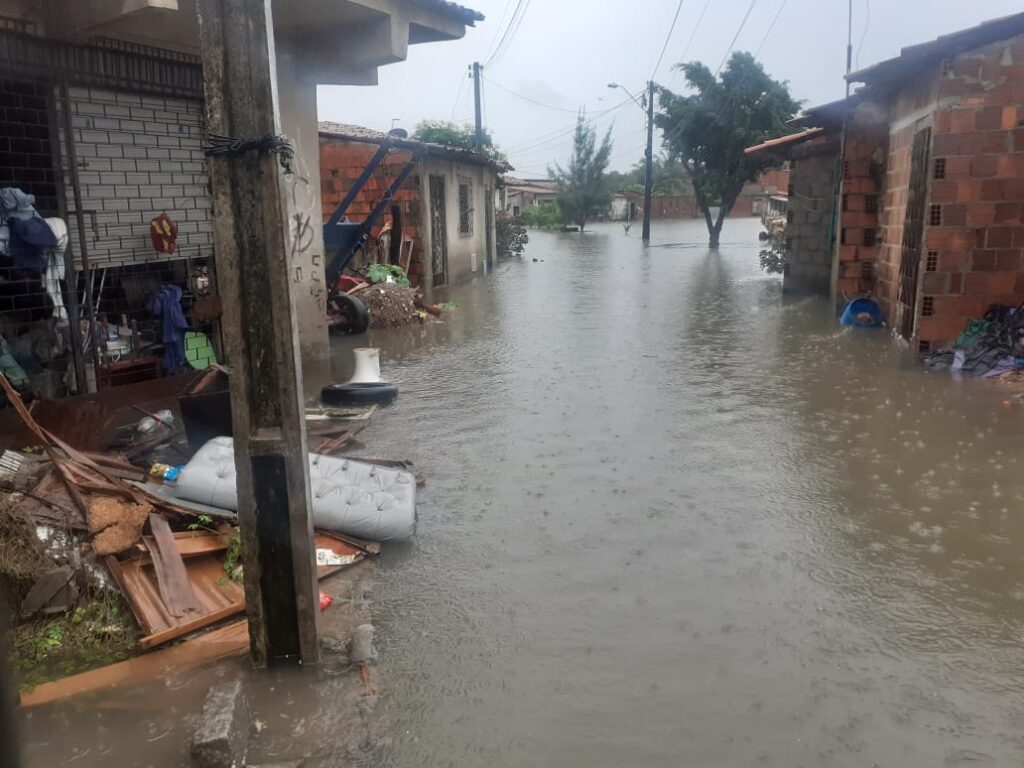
<point x="370" y="136"/>
<point x="915" y="57"/>
<point x="460" y="12"/>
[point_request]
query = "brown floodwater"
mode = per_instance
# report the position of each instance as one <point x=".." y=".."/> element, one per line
<point x="672" y="518"/>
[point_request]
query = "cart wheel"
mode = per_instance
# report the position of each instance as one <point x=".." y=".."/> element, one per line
<point x="350" y="313"/>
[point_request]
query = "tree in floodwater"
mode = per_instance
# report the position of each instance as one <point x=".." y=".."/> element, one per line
<point x="582" y="191"/>
<point x="709" y="129"/>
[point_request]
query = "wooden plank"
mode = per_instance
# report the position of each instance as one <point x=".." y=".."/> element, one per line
<point x="116" y="568"/>
<point x="230" y="640"/>
<point x="206" y="620"/>
<point x="175" y="588"/>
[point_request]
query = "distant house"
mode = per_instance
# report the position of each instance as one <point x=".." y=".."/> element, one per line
<point x="924" y="206"/>
<point x="520" y="194"/>
<point x="443" y="212"/>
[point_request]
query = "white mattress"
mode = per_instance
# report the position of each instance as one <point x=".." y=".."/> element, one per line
<point x="351" y="497"/>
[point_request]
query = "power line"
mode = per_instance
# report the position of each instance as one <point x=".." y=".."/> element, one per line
<point x="510" y="31"/>
<point x="554" y="136"/>
<point x="504" y="34"/>
<point x="689" y="42"/>
<point x="736" y="37"/>
<point x="770" y="28"/>
<point x="497" y="30"/>
<point x="527" y="98"/>
<point x="458" y="94"/>
<point x="668" y="37"/>
<point x="867" y="24"/>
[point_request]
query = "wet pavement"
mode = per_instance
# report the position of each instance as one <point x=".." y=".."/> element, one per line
<point x="671" y="518"/>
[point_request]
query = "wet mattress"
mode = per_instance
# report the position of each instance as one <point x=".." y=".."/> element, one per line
<point x="351" y="497"/>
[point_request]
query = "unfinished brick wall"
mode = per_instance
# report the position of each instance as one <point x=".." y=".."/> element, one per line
<point x="341" y="164"/>
<point x="909" y="111"/>
<point x="138" y="156"/>
<point x="974" y="257"/>
<point x="863" y="170"/>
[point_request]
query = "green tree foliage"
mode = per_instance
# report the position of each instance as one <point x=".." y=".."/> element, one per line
<point x="708" y="130"/>
<point x="582" y="189"/>
<point x="454" y="135"/>
<point x="511" y="231"/>
<point x="543" y="216"/>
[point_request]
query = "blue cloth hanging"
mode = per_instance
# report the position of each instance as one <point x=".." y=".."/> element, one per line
<point x="166" y="304"/>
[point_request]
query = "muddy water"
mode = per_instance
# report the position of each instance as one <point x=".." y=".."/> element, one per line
<point x="672" y="519"/>
<point x="675" y="519"/>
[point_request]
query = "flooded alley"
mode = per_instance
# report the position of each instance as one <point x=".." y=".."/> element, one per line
<point x="674" y="518"/>
<point x="671" y="518"/>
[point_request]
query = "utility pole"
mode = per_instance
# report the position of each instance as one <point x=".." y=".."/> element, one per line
<point x="255" y="248"/>
<point x="476" y="103"/>
<point x="649" y="169"/>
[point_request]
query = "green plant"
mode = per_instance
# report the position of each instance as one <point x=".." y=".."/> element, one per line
<point x="774" y="258"/>
<point x="708" y="129"/>
<point x="449" y="305"/>
<point x="512" y="237"/>
<point x="450" y="134"/>
<point x="582" y="189"/>
<point x="544" y="216"/>
<point x="201" y="521"/>
<point x="379" y="273"/>
<point x="233" y="558"/>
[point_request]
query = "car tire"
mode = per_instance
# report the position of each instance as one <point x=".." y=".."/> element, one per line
<point x="358" y="393"/>
<point x="353" y="314"/>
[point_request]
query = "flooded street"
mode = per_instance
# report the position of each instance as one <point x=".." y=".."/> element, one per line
<point x="675" y="519"/>
<point x="671" y="519"/>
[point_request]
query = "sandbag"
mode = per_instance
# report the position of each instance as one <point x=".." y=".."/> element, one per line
<point x="350" y="497"/>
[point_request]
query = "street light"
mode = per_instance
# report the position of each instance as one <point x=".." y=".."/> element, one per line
<point x="649" y="157"/>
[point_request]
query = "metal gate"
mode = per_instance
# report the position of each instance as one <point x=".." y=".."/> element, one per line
<point x="489" y="224"/>
<point x="913" y="231"/>
<point x="438" y="230"/>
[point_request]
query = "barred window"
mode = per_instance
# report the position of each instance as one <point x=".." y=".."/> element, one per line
<point x="465" y="206"/>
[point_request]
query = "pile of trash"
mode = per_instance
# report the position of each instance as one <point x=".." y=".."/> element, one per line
<point x="391" y="305"/>
<point x="991" y="346"/>
<point x="93" y="525"/>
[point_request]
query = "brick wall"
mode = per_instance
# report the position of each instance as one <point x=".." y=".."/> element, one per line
<point x="138" y="156"/>
<point x="666" y="206"/>
<point x="909" y="112"/>
<point x="25" y="152"/>
<point x="976" y="251"/>
<point x="862" y="168"/>
<point x="808" y="231"/>
<point x="342" y="162"/>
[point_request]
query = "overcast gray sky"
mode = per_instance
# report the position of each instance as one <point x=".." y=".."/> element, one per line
<point x="565" y="52"/>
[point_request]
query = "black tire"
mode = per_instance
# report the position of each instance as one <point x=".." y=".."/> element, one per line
<point x="358" y="394"/>
<point x="353" y="316"/>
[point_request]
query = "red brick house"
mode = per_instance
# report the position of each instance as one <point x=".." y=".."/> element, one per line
<point x="930" y="196"/>
<point x="444" y="210"/>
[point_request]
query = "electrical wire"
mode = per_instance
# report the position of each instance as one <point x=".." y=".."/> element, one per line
<point x="668" y="37"/>
<point x="736" y="37"/>
<point x="458" y="94"/>
<point x="770" y="28"/>
<point x="497" y="30"/>
<point x="867" y="24"/>
<point x="510" y="32"/>
<point x="531" y="100"/>
<point x="693" y="34"/>
<point x="553" y="136"/>
<point x="504" y="35"/>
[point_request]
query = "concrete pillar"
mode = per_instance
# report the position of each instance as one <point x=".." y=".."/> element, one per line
<point x="297" y="99"/>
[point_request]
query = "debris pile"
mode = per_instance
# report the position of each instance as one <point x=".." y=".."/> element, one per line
<point x="105" y="560"/>
<point x="390" y="305"/>
<point x="988" y="347"/>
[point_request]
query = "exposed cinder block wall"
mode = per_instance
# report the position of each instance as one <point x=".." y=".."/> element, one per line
<point x="138" y="156"/>
<point x="811" y="199"/>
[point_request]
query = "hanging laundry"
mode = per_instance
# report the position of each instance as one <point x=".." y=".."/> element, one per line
<point x="15" y="204"/>
<point x="166" y="304"/>
<point x="164" y="233"/>
<point x="55" y="267"/>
